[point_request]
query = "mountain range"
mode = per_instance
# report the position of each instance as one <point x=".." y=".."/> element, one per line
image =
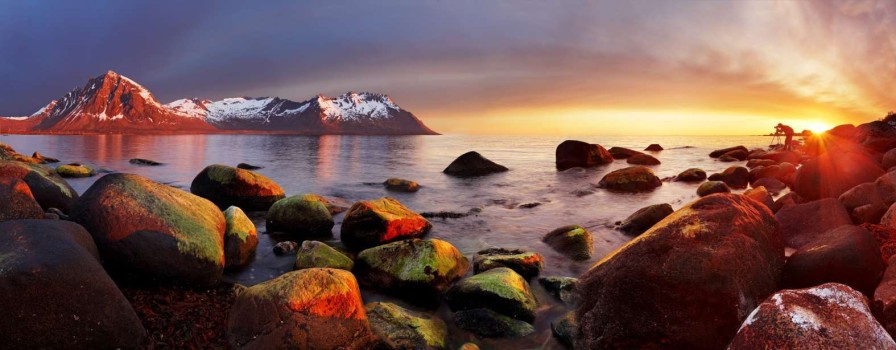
<point x="112" y="103"/>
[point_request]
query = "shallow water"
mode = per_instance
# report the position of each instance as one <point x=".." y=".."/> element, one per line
<point x="352" y="167"/>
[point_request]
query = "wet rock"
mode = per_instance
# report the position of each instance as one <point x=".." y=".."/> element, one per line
<point x="884" y="301"/>
<point x="761" y="195"/>
<point x="248" y="166"/>
<point x="417" y="269"/>
<point x="469" y="346"/>
<point x="473" y="164"/>
<point x="334" y="205"/>
<point x="564" y="329"/>
<point x="737" y="154"/>
<point x="734" y="177"/>
<point x="314" y="308"/>
<point x="500" y="289"/>
<point x="691" y="175"/>
<point x="146" y="162"/>
<point x="573" y="241"/>
<point x="529" y="205"/>
<point x="753" y="163"/>
<point x="643" y="159"/>
<point x="487" y="323"/>
<point x="849" y="255"/>
<point x="711" y="187"/>
<point x="318" y="254"/>
<point x="527" y="264"/>
<point x="44" y="159"/>
<point x="645" y="218"/>
<point x="402" y="329"/>
<point x="829" y="316"/>
<point x="401" y="185"/>
<point x="727" y="159"/>
<point x="774" y="186"/>
<point x="833" y="173"/>
<point x="654" y="148"/>
<point x="151" y="231"/>
<point x="285" y="247"/>
<point x="300" y="216"/>
<point x="240" y="238"/>
<point x="631" y="179"/>
<point x="687" y="283"/>
<point x="17" y="201"/>
<point x="791" y="198"/>
<point x="572" y="154"/>
<point x="55" y="294"/>
<point x="802" y="223"/>
<point x="563" y="288"/>
<point x="226" y="186"/>
<point x="448" y="214"/>
<point x="622" y="152"/>
<point x="371" y="223"/>
<point x="719" y="152"/>
<point x="75" y="170"/>
<point x="782" y="157"/>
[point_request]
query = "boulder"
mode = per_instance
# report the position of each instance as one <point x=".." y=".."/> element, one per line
<point x="737" y="154"/>
<point x="75" y="170"/>
<point x="848" y="254"/>
<point x="889" y="159"/>
<point x="864" y="203"/>
<point x="779" y="172"/>
<point x="571" y="154"/>
<point x="889" y="218"/>
<point x="317" y="254"/>
<point x="416" y="268"/>
<point x="643" y="159"/>
<point x="711" y="187"/>
<point x="886" y="187"/>
<point x="691" y="175"/>
<point x="772" y="185"/>
<point x="720" y="152"/>
<point x="752" y="163"/>
<point x="18" y="202"/>
<point x="782" y="157"/>
<point x="884" y="300"/>
<point x="622" y="152"/>
<point x="473" y="164"/>
<point x="564" y="329"/>
<point x="44" y="159"/>
<point x="487" y="323"/>
<point x="829" y="316"/>
<point x="398" y="328"/>
<point x="248" y="166"/>
<point x="300" y="216"/>
<point x="761" y="195"/>
<point x="500" y="289"/>
<point x="226" y="186"/>
<point x="573" y="241"/>
<point x="687" y="283"/>
<point x="728" y="159"/>
<point x="285" y="247"/>
<point x="154" y="231"/>
<point x="645" y="218"/>
<point x="878" y="136"/>
<point x="631" y="179"/>
<point x="55" y="294"/>
<point x="527" y="264"/>
<point x="734" y="177"/>
<point x="401" y="185"/>
<point x="315" y="308"/>
<point x="49" y="189"/>
<point x="371" y="223"/>
<point x="240" y="238"/>
<point x="146" y="162"/>
<point x="563" y="288"/>
<point x="802" y="223"/>
<point x="886" y="237"/>
<point x="654" y="148"/>
<point x="832" y="173"/>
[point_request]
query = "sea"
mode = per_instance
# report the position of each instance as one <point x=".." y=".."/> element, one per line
<point x="515" y="209"/>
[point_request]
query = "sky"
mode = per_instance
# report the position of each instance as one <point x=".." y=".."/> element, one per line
<point x="481" y="67"/>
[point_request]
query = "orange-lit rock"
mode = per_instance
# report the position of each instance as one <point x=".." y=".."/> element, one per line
<point x="371" y="223"/>
<point x="17" y="201"/>
<point x="226" y="185"/>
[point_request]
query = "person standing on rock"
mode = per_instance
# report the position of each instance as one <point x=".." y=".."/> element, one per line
<point x="788" y="135"/>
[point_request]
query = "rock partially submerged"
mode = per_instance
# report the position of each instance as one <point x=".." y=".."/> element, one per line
<point x="240" y="238"/>
<point x="75" y="170"/>
<point x="371" y="223"/>
<point x="573" y="241"/>
<point x="527" y="264"/>
<point x="399" y="328"/>
<point x="401" y="185"/>
<point x="317" y="254"/>
<point x="712" y="187"/>
<point x="501" y="290"/>
<point x="572" y="153"/>
<point x="622" y="152"/>
<point x="226" y="186"/>
<point x="643" y="159"/>
<point x="645" y="218"/>
<point x="44" y="159"/>
<point x="719" y="152"/>
<point x="145" y="162"/>
<point x="473" y="164"/>
<point x="248" y="166"/>
<point x="417" y="269"/>
<point x="654" y="148"/>
<point x="487" y="323"/>
<point x="691" y="175"/>
<point x="631" y="179"/>
<point x="563" y="288"/>
<point x="734" y="177"/>
<point x="300" y="217"/>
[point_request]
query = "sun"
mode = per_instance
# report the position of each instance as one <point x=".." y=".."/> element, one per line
<point x="816" y="126"/>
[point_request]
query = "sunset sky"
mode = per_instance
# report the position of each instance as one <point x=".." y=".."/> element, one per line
<point x="495" y="67"/>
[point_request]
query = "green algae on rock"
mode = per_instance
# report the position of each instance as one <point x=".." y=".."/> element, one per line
<point x="226" y="185"/>
<point x="501" y="290"/>
<point x="371" y="223"/>
<point x="487" y="323"/>
<point x="399" y="328"/>
<point x="401" y="185"/>
<point x="302" y="216"/>
<point x="49" y="189"/>
<point x="413" y="268"/>
<point x="573" y="241"/>
<point x="318" y="254"/>
<point x="75" y="170"/>
<point x="527" y="264"/>
<point x="240" y="238"/>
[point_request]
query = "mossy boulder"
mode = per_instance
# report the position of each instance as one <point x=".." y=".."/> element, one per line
<point x="398" y="328"/>
<point x="416" y="268"/>
<point x="150" y="230"/>
<point x="501" y="290"/>
<point x="240" y="238"/>
<point x="711" y="187"/>
<point x="574" y="241"/>
<point x="316" y="308"/>
<point x="302" y="216"/>
<point x="317" y="254"/>
<point x="631" y="179"/>
<point x="371" y="223"/>
<point x="526" y="263"/>
<point x="401" y="185"/>
<point x="644" y="218"/>
<point x="473" y="164"/>
<point x="55" y="294"/>
<point x="226" y="185"/>
<point x="563" y="288"/>
<point x="75" y="170"/>
<point x="487" y="323"/>
<point x="17" y="201"/>
<point x="49" y="189"/>
<point x="691" y="175"/>
<point x="564" y="329"/>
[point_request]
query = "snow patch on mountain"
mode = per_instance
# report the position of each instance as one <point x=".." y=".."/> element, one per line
<point x="190" y="107"/>
<point x="354" y="106"/>
<point x="237" y="108"/>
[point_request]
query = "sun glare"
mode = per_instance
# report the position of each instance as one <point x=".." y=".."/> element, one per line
<point x="818" y="126"/>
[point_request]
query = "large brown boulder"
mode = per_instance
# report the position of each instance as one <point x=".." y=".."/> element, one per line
<point x="417" y="269"/>
<point x="643" y="159"/>
<point x="832" y="173"/>
<point x="631" y="179"/>
<point x="884" y="300"/>
<point x="150" y="230"/>
<point x="371" y="223"/>
<point x="300" y="217"/>
<point x="473" y="164"/>
<point x="847" y="254"/>
<point x="49" y="189"/>
<point x="774" y="186"/>
<point x="802" y="223"/>
<point x="55" y="294"/>
<point x="720" y="152"/>
<point x="734" y="177"/>
<point x="226" y="186"/>
<point x="571" y="154"/>
<point x="644" y="218"/>
<point x="316" y="308"/>
<point x="829" y="316"/>
<point x="782" y="157"/>
<point x="691" y="175"/>
<point x="878" y="136"/>
<point x="17" y="201"/>
<point x="864" y="203"/>
<point x="622" y="152"/>
<point x="686" y="283"/>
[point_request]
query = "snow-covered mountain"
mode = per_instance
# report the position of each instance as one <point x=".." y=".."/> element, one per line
<point x="112" y="103"/>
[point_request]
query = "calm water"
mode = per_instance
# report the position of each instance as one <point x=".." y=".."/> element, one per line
<point x="352" y="167"/>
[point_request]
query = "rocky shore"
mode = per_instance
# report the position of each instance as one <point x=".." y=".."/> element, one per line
<point x="783" y="249"/>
